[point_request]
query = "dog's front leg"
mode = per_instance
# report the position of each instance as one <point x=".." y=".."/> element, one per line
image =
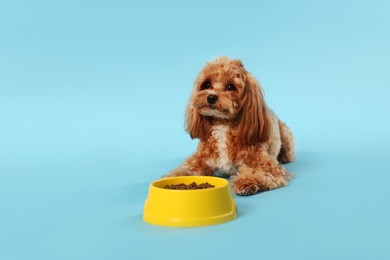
<point x="265" y="175"/>
<point x="193" y="165"/>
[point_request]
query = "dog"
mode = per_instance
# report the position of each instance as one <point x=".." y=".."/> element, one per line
<point x="239" y="135"/>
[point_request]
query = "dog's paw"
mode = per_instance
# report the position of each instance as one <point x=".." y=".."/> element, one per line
<point x="247" y="185"/>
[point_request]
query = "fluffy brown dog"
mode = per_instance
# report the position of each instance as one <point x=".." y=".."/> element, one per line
<point x="239" y="135"/>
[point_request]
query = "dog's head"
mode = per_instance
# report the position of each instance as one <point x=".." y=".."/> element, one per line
<point x="224" y="90"/>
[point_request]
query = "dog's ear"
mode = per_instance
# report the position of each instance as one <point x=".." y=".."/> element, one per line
<point x="254" y="126"/>
<point x="197" y="125"/>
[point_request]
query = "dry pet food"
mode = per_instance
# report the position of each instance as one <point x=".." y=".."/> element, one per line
<point x="191" y="186"/>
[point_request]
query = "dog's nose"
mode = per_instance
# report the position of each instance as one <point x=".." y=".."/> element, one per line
<point x="211" y="99"/>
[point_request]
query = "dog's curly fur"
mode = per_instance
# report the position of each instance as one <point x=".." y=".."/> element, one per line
<point x="239" y="135"/>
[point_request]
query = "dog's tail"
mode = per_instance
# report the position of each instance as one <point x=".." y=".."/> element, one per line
<point x="286" y="153"/>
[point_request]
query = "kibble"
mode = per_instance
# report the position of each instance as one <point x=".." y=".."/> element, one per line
<point x="191" y="186"/>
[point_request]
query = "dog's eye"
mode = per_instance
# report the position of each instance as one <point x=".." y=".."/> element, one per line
<point x="205" y="85"/>
<point x="230" y="87"/>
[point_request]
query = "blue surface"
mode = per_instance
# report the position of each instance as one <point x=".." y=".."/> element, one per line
<point x="92" y="100"/>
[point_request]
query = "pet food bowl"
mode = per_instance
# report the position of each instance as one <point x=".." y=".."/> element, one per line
<point x="189" y="208"/>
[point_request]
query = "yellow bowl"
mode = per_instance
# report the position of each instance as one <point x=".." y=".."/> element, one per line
<point x="189" y="208"/>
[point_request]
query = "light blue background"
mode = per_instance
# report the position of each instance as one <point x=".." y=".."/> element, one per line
<point x="92" y="101"/>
